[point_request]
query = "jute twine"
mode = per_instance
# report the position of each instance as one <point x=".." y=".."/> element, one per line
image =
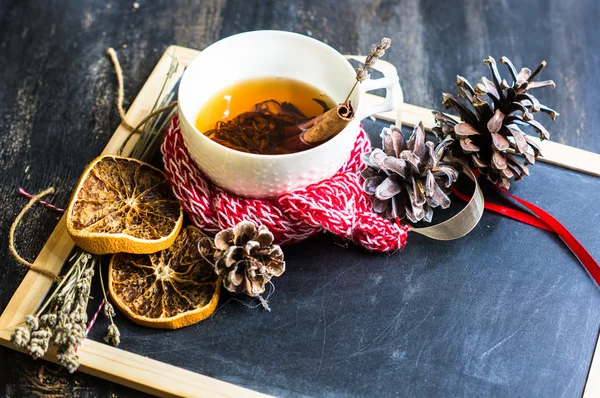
<point x="35" y="198"/>
<point x="11" y="236"/>
<point x="120" y="91"/>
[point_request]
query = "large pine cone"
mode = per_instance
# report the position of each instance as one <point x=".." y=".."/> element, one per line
<point x="491" y="114"/>
<point x="247" y="259"/>
<point x="408" y="179"/>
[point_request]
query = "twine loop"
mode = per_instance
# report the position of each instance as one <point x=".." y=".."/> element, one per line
<point x="11" y="236"/>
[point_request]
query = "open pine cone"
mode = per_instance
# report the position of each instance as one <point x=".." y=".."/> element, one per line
<point x="408" y="179"/>
<point x="247" y="259"/>
<point x="491" y="114"/>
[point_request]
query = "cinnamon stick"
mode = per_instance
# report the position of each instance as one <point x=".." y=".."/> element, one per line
<point x="319" y="129"/>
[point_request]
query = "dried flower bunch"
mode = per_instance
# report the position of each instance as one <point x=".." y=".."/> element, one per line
<point x="246" y="258"/>
<point x="408" y="179"/>
<point x="491" y="113"/>
<point x="64" y="322"/>
<point x="61" y="320"/>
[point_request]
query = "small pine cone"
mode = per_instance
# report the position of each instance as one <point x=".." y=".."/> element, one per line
<point x="492" y="114"/>
<point x="408" y="179"/>
<point x="247" y="259"/>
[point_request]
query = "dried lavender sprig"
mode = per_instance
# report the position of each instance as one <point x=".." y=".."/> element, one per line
<point x="113" y="335"/>
<point x="71" y="327"/>
<point x="377" y="51"/>
<point x="22" y="334"/>
<point x="71" y="305"/>
<point x="64" y="324"/>
<point x="78" y="255"/>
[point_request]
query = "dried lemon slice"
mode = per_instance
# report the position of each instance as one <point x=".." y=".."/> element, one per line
<point x="170" y="289"/>
<point x="123" y="205"/>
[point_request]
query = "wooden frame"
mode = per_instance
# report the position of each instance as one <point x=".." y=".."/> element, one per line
<point x="156" y="377"/>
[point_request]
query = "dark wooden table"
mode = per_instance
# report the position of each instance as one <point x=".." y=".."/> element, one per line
<point x="57" y="96"/>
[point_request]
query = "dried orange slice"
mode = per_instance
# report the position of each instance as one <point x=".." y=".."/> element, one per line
<point x="170" y="289"/>
<point x="123" y="205"/>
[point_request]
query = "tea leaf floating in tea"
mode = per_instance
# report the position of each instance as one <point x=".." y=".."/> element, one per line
<point x="262" y="130"/>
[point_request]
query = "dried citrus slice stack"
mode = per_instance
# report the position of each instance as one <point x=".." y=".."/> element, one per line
<point x="123" y="205"/>
<point x="170" y="289"/>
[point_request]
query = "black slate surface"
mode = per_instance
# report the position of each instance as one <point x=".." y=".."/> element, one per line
<point x="506" y="311"/>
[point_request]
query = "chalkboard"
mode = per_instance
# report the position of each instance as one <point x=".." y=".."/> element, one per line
<point x="506" y="310"/>
<point x="57" y="113"/>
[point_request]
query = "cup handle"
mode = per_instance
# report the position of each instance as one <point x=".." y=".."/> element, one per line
<point x="393" y="99"/>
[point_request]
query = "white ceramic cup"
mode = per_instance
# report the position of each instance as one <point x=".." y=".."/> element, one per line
<point x="273" y="54"/>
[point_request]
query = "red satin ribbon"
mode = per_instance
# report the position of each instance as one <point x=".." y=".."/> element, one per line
<point x="545" y="221"/>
